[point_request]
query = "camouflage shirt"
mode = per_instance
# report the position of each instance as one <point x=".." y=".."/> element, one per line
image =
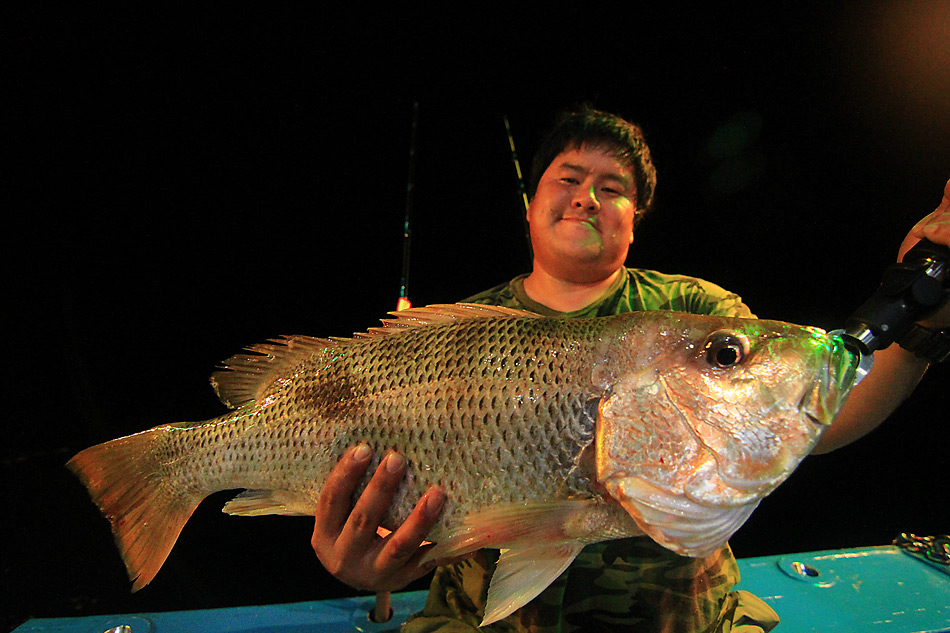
<point x="637" y="290"/>
<point x="630" y="584"/>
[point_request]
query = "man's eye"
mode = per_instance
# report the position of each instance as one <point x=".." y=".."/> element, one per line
<point x="569" y="180"/>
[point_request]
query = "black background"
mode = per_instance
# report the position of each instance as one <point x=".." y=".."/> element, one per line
<point x="182" y="183"/>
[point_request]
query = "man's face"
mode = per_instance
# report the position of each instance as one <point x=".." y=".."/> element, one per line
<point x="581" y="217"/>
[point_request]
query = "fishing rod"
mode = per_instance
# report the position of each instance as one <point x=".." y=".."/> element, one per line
<point x="403" y="301"/>
<point x="521" y="187"/>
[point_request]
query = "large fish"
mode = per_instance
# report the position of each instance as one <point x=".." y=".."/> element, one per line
<point x="546" y="433"/>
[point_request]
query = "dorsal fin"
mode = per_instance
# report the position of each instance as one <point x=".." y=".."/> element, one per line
<point x="449" y="312"/>
<point x="243" y="377"/>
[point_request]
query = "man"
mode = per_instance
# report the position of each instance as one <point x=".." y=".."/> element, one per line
<point x="594" y="181"/>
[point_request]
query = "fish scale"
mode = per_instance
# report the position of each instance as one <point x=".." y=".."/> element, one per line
<point x="545" y="433"/>
<point x="463" y="401"/>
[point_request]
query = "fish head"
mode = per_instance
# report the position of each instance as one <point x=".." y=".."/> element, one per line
<point x="703" y="416"/>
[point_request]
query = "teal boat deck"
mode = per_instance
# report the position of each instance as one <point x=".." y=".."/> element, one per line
<point x="878" y="589"/>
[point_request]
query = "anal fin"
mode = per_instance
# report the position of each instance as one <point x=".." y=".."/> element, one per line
<point x="252" y="503"/>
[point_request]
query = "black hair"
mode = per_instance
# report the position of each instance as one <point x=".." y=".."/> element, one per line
<point x="594" y="128"/>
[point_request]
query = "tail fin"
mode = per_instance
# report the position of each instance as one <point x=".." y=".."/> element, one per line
<point x="127" y="482"/>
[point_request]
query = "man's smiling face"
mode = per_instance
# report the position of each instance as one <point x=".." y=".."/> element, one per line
<point x="581" y="217"/>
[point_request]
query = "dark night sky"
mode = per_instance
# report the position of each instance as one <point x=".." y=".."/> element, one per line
<point x="186" y="183"/>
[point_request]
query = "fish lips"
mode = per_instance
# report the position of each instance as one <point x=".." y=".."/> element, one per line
<point x="831" y="388"/>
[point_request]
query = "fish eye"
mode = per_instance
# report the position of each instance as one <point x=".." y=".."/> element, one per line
<point x="726" y="349"/>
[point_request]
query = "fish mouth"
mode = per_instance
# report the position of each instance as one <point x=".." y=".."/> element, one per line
<point x="827" y="394"/>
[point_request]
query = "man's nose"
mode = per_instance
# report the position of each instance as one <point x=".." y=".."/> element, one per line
<point x="587" y="199"/>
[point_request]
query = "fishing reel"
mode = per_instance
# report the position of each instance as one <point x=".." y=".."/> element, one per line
<point x="910" y="289"/>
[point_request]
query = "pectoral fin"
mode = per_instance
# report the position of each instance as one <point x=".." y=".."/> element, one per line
<point x="518" y="526"/>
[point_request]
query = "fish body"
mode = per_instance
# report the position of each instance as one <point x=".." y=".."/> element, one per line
<point x="545" y="433"/>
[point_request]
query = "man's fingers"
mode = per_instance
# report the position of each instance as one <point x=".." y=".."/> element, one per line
<point x="400" y="559"/>
<point x="359" y="532"/>
<point x="414" y="568"/>
<point x="934" y="227"/>
<point x="346" y="540"/>
<point x="336" y="498"/>
<point x="402" y="544"/>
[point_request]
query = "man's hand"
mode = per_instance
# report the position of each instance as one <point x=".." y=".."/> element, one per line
<point x="936" y="228"/>
<point x="896" y="371"/>
<point x="345" y="539"/>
